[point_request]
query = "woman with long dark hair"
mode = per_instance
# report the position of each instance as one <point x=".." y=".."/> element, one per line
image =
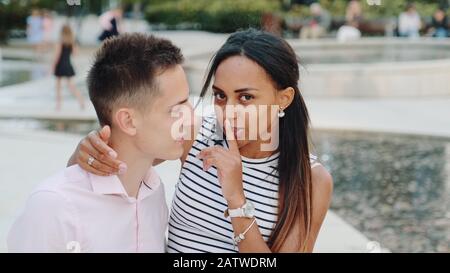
<point x="232" y="195"/>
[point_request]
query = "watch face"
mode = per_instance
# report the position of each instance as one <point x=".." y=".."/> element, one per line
<point x="249" y="209"/>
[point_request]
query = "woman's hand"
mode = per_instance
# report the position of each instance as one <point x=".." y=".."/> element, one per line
<point x="229" y="168"/>
<point x="95" y="145"/>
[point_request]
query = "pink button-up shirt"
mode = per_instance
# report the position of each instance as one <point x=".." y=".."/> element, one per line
<point x="75" y="211"/>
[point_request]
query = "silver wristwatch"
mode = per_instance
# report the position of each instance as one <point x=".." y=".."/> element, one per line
<point x="246" y="211"/>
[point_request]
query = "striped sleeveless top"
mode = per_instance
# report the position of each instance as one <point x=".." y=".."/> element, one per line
<point x="197" y="223"/>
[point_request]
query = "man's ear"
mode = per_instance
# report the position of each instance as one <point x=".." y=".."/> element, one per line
<point x="125" y="121"/>
<point x="285" y="97"/>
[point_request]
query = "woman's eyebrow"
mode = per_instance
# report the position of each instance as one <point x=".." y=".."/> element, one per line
<point x="237" y="90"/>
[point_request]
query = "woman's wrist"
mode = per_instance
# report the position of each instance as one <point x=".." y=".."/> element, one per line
<point x="236" y="201"/>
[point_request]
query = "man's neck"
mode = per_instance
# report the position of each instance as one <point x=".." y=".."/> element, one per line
<point x="138" y="164"/>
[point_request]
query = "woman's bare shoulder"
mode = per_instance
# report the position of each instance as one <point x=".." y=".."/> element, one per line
<point x="322" y="181"/>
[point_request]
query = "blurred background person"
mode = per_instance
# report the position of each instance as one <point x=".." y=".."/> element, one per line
<point x="35" y="30"/>
<point x="349" y="32"/>
<point x="63" y="66"/>
<point x="439" y="24"/>
<point x="110" y="22"/>
<point x="318" y="25"/>
<point x="409" y="22"/>
<point x="353" y="12"/>
<point x="47" y="28"/>
<point x="353" y="17"/>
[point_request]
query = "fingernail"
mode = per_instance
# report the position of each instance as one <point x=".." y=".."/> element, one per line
<point x="112" y="154"/>
<point x="122" y="168"/>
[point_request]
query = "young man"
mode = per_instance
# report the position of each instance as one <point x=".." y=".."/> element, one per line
<point x="137" y="86"/>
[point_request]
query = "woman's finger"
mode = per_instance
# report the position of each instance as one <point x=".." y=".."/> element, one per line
<point x="100" y="145"/>
<point x="205" y="152"/>
<point x="218" y="159"/>
<point x="96" y="172"/>
<point x="209" y="162"/>
<point x="209" y="151"/>
<point x="105" y="133"/>
<point x="82" y="162"/>
<point x="232" y="143"/>
<point x="96" y="164"/>
<point x="86" y="147"/>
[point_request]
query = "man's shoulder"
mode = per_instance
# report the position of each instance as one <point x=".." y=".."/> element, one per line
<point x="64" y="181"/>
<point x="48" y="216"/>
<point x="54" y="195"/>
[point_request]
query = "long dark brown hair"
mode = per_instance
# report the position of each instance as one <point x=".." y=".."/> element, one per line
<point x="280" y="62"/>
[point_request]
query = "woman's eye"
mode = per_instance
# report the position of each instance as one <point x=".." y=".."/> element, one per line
<point x="246" y="98"/>
<point x="220" y="96"/>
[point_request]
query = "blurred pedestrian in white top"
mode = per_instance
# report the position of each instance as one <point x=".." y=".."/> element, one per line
<point x="35" y="29"/>
<point x="409" y="23"/>
<point x="348" y="32"/>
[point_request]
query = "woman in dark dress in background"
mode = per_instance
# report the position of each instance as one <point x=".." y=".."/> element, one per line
<point x="63" y="68"/>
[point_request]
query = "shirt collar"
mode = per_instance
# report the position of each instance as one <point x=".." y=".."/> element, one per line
<point x="111" y="185"/>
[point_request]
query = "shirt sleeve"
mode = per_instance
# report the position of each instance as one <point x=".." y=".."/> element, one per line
<point x="47" y="224"/>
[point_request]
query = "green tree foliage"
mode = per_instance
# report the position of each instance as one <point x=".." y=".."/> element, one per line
<point x="212" y="15"/>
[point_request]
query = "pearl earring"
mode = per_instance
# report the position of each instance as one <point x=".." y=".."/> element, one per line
<point x="281" y="112"/>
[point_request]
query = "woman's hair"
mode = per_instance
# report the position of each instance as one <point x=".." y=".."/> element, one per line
<point x="280" y="62"/>
<point x="67" y="37"/>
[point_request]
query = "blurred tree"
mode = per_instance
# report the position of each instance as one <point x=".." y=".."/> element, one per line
<point x="212" y="14"/>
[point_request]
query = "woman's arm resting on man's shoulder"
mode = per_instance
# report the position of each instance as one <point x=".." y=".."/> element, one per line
<point x="95" y="145"/>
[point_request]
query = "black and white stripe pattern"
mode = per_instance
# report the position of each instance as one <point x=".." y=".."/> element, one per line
<point x="197" y="223"/>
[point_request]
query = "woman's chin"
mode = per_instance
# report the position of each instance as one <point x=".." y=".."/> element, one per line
<point x="242" y="142"/>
